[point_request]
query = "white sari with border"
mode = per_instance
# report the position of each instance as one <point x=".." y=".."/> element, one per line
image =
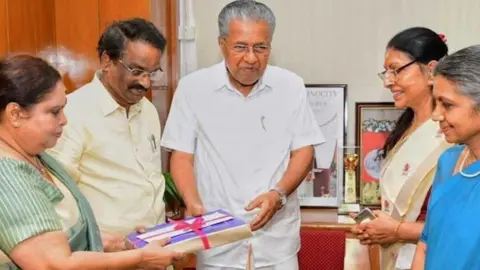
<point x="405" y="180"/>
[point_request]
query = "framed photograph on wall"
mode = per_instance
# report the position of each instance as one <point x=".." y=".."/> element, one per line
<point x="373" y="123"/>
<point x="323" y="186"/>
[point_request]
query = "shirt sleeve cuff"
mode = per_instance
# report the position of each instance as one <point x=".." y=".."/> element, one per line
<point x="173" y="146"/>
<point x="299" y="143"/>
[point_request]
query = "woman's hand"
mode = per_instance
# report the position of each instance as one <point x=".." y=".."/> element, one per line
<point x="382" y="230"/>
<point x="356" y="229"/>
<point x="113" y="242"/>
<point x="155" y="256"/>
<point x="138" y="229"/>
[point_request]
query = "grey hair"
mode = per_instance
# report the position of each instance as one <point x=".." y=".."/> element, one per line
<point x="463" y="69"/>
<point x="246" y="10"/>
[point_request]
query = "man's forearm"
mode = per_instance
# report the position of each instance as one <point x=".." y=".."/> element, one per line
<point x="299" y="166"/>
<point x="181" y="168"/>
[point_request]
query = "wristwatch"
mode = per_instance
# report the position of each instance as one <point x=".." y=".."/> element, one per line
<point x="283" y="196"/>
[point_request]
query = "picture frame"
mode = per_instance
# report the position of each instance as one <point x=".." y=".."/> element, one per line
<point x="323" y="187"/>
<point x="373" y="123"/>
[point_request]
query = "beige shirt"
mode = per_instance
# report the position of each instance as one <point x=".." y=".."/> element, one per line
<point x="114" y="158"/>
<point x="67" y="208"/>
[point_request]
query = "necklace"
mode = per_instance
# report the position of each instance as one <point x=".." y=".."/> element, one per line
<point x="463" y="163"/>
<point x="35" y="162"/>
<point x="40" y="167"/>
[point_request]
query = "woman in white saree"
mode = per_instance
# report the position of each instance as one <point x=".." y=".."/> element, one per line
<point x="410" y="153"/>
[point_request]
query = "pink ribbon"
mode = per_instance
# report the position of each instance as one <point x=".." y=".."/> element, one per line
<point x="196" y="227"/>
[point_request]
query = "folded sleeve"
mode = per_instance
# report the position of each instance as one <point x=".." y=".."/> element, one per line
<point x="180" y="131"/>
<point x="305" y="128"/>
<point x="27" y="204"/>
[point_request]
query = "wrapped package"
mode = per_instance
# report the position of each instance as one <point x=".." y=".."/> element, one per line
<point x="210" y="230"/>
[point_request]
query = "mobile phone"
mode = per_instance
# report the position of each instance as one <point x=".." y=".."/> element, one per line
<point x="365" y="215"/>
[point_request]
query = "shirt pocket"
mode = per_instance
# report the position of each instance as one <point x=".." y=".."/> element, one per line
<point x="156" y="161"/>
<point x="151" y="155"/>
<point x="277" y="133"/>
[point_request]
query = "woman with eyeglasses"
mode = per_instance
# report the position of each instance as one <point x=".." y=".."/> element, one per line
<point x="411" y="151"/>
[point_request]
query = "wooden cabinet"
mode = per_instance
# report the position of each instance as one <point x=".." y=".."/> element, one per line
<point x="74" y="27"/>
<point x="26" y="26"/>
<point x="79" y="24"/>
<point x="3" y="28"/>
<point x="77" y="32"/>
<point x="29" y="25"/>
<point x="70" y="30"/>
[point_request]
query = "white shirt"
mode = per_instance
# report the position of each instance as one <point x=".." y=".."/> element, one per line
<point x="114" y="159"/>
<point x="242" y="148"/>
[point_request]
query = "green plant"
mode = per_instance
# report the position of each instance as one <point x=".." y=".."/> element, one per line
<point x="172" y="197"/>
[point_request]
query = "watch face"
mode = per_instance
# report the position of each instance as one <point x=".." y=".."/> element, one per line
<point x="283" y="197"/>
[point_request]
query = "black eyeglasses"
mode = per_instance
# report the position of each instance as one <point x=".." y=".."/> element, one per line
<point x="394" y="73"/>
<point x="140" y="72"/>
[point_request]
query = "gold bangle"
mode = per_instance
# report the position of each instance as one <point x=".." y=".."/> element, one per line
<point x="396" y="230"/>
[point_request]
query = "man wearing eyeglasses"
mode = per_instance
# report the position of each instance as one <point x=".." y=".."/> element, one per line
<point x="111" y="144"/>
<point x="242" y="136"/>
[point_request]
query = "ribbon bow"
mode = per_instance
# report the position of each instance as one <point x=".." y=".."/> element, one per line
<point x="196" y="227"/>
<point x="443" y="37"/>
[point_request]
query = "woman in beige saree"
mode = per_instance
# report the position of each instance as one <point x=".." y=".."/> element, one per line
<point x="410" y="153"/>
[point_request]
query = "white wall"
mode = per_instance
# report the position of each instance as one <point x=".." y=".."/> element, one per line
<point x="343" y="41"/>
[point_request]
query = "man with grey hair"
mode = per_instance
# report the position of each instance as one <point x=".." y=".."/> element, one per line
<point x="242" y="136"/>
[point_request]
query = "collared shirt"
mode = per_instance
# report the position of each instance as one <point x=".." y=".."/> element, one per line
<point x="114" y="158"/>
<point x="241" y="148"/>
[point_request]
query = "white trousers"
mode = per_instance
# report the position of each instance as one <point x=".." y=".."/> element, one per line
<point x="290" y="264"/>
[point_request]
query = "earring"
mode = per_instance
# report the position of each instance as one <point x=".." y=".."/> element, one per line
<point x="15" y="124"/>
<point x="430" y="79"/>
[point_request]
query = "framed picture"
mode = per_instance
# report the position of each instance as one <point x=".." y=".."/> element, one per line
<point x="323" y="186"/>
<point x="374" y="121"/>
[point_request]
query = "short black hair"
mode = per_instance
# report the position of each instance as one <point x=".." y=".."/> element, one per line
<point x="116" y="36"/>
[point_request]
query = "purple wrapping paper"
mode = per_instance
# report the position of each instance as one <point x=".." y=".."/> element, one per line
<point x="232" y="223"/>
